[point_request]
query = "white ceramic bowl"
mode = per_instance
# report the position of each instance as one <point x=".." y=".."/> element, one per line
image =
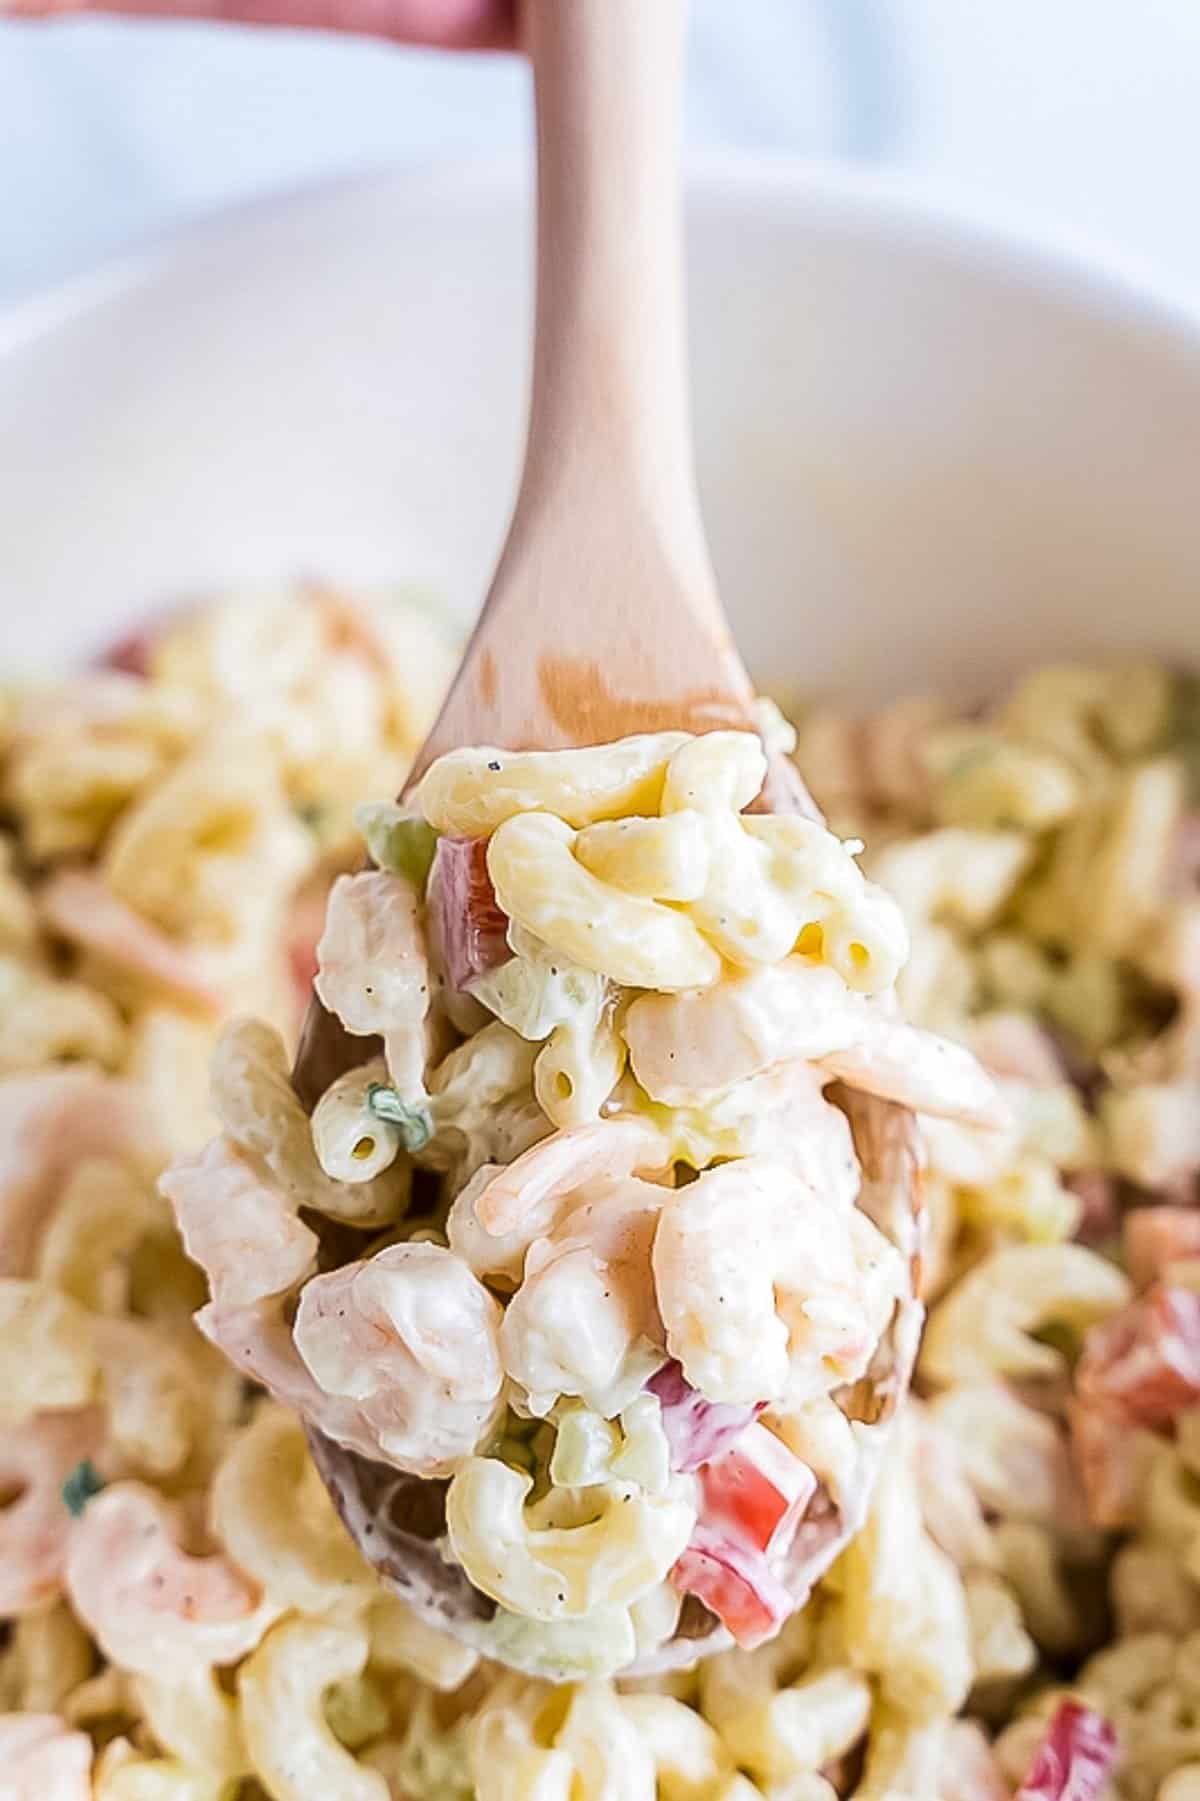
<point x="928" y="453"/>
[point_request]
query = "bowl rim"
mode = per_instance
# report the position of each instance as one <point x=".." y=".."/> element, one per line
<point x="1093" y="274"/>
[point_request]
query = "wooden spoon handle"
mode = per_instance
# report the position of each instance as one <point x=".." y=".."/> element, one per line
<point x="609" y="411"/>
<point x="603" y="617"/>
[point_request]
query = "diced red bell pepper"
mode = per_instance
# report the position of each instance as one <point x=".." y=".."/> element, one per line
<point x="757" y="1490"/>
<point x="1073" y="1759"/>
<point x="736" y="1583"/>
<point x="697" y="1429"/>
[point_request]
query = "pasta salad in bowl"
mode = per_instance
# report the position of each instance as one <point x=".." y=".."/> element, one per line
<point x="569" y="1242"/>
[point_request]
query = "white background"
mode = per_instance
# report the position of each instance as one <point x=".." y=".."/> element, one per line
<point x="1076" y="118"/>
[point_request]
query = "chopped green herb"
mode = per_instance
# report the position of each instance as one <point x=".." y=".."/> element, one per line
<point x="81" y="1486"/>
<point x="412" y="1123"/>
<point x="312" y="814"/>
<point x="401" y="842"/>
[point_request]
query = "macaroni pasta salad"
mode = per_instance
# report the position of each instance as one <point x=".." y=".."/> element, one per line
<point x="587" y="1240"/>
<point x="575" y="1240"/>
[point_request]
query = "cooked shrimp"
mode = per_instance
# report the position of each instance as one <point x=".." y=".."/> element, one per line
<point x="258" y="1340"/>
<point x="898" y="1062"/>
<point x="556" y="1183"/>
<point x="239" y="1226"/>
<point x="788" y="1118"/>
<point x="81" y="908"/>
<point x="585" y="1320"/>
<point x="36" y="1459"/>
<point x="145" y="1600"/>
<point x="767" y="1288"/>
<point x="564" y="1162"/>
<point x="686" y="1047"/>
<point x="43" y="1759"/>
<point x="48" y="1122"/>
<point x="411" y="1337"/>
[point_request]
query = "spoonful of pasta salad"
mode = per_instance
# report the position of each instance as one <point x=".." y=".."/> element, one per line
<point x="585" y="1235"/>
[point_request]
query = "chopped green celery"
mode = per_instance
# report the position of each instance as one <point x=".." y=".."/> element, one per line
<point x="584" y="1447"/>
<point x="588" y="1449"/>
<point x="398" y="841"/>
<point x="537" y="990"/>
<point x="414" y="1124"/>
<point x="645" y="1455"/>
<point x="596" y="1644"/>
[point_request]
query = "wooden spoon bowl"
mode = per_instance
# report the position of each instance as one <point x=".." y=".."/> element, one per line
<point x="603" y="619"/>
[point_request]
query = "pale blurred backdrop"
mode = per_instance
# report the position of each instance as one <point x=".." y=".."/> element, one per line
<point x="1071" y="118"/>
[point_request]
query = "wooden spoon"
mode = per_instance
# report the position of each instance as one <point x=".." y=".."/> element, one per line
<point x="603" y="617"/>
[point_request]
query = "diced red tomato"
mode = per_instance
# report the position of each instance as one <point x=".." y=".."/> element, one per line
<point x="470" y="927"/>
<point x="1155" y="1237"/>
<point x="1143" y="1365"/>
<point x="697" y="1429"/>
<point x="757" y="1490"/>
<point x="1073" y="1759"/>
<point x="737" y="1583"/>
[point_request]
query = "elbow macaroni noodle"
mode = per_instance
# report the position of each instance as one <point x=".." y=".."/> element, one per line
<point x="191" y="1623"/>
